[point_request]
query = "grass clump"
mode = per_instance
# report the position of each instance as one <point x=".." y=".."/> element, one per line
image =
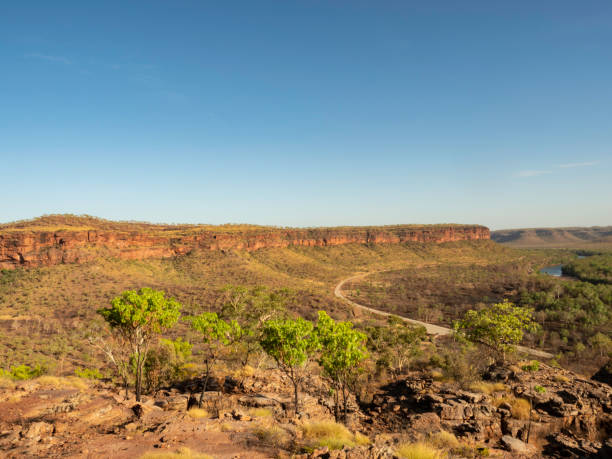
<point x="88" y="373"/>
<point x="197" y="413"/>
<point x="273" y="435"/>
<point x="332" y="435"/>
<point x="418" y="451"/>
<point x="260" y="412"/>
<point x="181" y="453"/>
<point x="6" y="383"/>
<point x="519" y="407"/>
<point x="443" y="440"/>
<point x="488" y="387"/>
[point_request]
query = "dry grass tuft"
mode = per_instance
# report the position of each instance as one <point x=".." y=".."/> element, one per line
<point x="488" y="387"/>
<point x="273" y="435"/>
<point x="6" y="383"/>
<point x="197" y="413"/>
<point x="181" y="453"/>
<point x="332" y="435"/>
<point x="260" y="412"/>
<point x="519" y="407"/>
<point x="418" y="451"/>
<point x="443" y="440"/>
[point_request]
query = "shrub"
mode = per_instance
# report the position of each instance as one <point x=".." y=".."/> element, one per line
<point x="418" y="451"/>
<point x="88" y="373"/>
<point x="534" y="365"/>
<point x="23" y="372"/>
<point x="539" y="389"/>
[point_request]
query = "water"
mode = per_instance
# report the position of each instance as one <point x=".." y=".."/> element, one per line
<point x="554" y="270"/>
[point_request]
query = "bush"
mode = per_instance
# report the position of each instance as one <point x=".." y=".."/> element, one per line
<point x="534" y="365"/>
<point x="88" y="373"/>
<point x="418" y="451"/>
<point x="23" y="372"/>
<point x="539" y="389"/>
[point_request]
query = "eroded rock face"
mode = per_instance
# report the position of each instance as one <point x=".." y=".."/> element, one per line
<point x="45" y="248"/>
<point x="577" y="411"/>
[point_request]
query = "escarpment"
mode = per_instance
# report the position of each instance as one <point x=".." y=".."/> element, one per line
<point x="39" y="246"/>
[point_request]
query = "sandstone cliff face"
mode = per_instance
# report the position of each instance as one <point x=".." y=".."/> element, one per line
<point x="45" y="248"/>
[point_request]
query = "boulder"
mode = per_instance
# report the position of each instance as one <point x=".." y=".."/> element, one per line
<point x="515" y="445"/>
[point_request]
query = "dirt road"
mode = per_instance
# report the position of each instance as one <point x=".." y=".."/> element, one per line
<point x="431" y="328"/>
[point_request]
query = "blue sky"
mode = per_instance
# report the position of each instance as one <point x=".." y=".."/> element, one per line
<point x="307" y="113"/>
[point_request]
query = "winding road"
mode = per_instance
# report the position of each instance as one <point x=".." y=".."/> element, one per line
<point x="431" y="328"/>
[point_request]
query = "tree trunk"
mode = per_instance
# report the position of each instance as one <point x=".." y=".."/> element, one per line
<point x="344" y="402"/>
<point x="295" y="394"/>
<point x="205" y="385"/>
<point x="138" y="377"/>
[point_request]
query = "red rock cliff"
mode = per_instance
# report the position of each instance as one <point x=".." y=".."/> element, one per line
<point x="34" y="247"/>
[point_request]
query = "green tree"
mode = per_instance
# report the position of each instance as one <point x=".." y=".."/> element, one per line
<point x="291" y="343"/>
<point x="395" y="344"/>
<point x="251" y="308"/>
<point x="342" y="350"/>
<point x="500" y="327"/>
<point x="137" y="318"/>
<point x="216" y="334"/>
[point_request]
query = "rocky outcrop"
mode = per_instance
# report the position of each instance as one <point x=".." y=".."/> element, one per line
<point x="569" y="416"/>
<point x="31" y="248"/>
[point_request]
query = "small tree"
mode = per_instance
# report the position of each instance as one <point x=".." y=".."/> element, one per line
<point x="500" y="327"/>
<point x="342" y="350"/>
<point x="251" y="308"/>
<point x="395" y="344"/>
<point x="291" y="343"/>
<point x="136" y="318"/>
<point x="216" y="333"/>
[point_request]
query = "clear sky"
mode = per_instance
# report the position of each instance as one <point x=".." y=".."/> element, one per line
<point x="307" y="113"/>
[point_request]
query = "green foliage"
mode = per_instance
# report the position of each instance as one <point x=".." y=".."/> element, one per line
<point x="395" y="344"/>
<point x="499" y="327"/>
<point x="291" y="343"/>
<point x="595" y="269"/>
<point x="136" y="318"/>
<point x="23" y="372"/>
<point x="216" y="333"/>
<point x="251" y="307"/>
<point x="88" y="373"/>
<point x="342" y="350"/>
<point x="539" y="389"/>
<point x="534" y="365"/>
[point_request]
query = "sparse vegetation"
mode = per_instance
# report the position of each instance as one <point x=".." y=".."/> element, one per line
<point x="332" y="435"/>
<point x="418" y="451"/>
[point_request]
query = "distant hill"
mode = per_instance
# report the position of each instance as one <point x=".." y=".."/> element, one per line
<point x="594" y="237"/>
